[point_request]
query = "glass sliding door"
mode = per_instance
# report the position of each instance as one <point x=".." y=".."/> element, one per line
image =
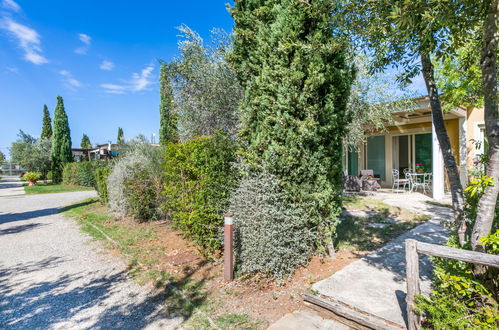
<point x="376" y="155"/>
<point x="423" y="151"/>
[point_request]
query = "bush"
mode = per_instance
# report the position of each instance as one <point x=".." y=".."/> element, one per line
<point x="458" y="299"/>
<point x="31" y="176"/>
<point x="101" y="176"/>
<point x="138" y="163"/>
<point x="198" y="179"/>
<point x="271" y="237"/>
<point x="79" y="174"/>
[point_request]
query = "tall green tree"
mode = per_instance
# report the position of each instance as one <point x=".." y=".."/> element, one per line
<point x="292" y="64"/>
<point x="2" y="157"/>
<point x="121" y="138"/>
<point x="61" y="141"/>
<point x="167" y="116"/>
<point x="85" y="142"/>
<point x="47" y="124"/>
<point x="33" y="155"/>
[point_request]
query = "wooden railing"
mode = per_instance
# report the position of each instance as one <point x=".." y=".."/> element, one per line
<point x="413" y="247"/>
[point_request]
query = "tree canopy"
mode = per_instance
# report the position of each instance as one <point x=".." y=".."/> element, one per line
<point x="47" y="124"/>
<point x="120" y="139"/>
<point x="61" y="141"/>
<point x="85" y="142"/>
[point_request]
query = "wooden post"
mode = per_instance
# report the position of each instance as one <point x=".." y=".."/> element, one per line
<point x="228" y="248"/>
<point x="412" y="270"/>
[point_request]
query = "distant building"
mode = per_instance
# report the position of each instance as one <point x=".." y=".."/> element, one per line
<point x="99" y="152"/>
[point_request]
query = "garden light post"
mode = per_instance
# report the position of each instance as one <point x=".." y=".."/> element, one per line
<point x="228" y="248"/>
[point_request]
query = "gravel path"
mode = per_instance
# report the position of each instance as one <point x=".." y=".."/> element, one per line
<point x="53" y="276"/>
<point x="11" y="185"/>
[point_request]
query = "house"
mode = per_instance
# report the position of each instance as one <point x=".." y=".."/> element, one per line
<point x="99" y="152"/>
<point x="411" y="140"/>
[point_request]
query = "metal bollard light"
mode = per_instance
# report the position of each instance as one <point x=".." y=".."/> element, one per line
<point x="228" y="248"/>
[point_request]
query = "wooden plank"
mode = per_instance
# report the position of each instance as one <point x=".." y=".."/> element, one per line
<point x="458" y="254"/>
<point x="412" y="271"/>
<point x="327" y="314"/>
<point x="361" y="317"/>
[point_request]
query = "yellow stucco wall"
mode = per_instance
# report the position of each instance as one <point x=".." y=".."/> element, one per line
<point x="474" y="117"/>
<point x="452" y="127"/>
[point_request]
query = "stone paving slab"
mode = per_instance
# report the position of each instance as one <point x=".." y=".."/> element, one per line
<point x="376" y="283"/>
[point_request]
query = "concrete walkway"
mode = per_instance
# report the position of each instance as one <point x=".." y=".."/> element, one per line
<point x="376" y="283"/>
<point x="10" y="186"/>
<point x="54" y="277"/>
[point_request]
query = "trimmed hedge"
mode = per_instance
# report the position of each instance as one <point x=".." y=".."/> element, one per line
<point x="81" y="173"/>
<point x="101" y="175"/>
<point x="199" y="177"/>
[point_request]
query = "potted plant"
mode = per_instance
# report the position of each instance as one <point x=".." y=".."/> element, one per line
<point x="419" y="168"/>
<point x="32" y="178"/>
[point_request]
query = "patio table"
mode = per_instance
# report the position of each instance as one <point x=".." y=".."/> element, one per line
<point x="422" y="181"/>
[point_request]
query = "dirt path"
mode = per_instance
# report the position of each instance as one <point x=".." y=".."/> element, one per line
<point x="10" y="186"/>
<point x="53" y="276"/>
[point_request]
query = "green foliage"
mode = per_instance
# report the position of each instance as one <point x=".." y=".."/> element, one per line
<point x="198" y="178"/>
<point x="271" y="237"/>
<point x="85" y="142"/>
<point x="80" y="173"/>
<point x="121" y="138"/>
<point x="491" y="242"/>
<point x="137" y="159"/>
<point x="141" y="194"/>
<point x="61" y="142"/>
<point x="458" y="300"/>
<point x="296" y="77"/>
<point x="101" y="175"/>
<point x="2" y="157"/>
<point x="32" y="154"/>
<point x="167" y="117"/>
<point x="47" y="124"/>
<point x="205" y="89"/>
<point x="32" y="176"/>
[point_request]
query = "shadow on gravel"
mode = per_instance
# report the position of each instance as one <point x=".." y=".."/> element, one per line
<point x="20" y="228"/>
<point x="11" y="217"/>
<point x="47" y="303"/>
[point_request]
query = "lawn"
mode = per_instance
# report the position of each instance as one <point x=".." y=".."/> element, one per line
<point x="368" y="224"/>
<point x="46" y="188"/>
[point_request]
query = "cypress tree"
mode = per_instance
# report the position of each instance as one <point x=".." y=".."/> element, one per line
<point x="296" y="80"/>
<point x="61" y="142"/>
<point x="121" y="138"/>
<point x="85" y="142"/>
<point x="167" y="118"/>
<point x="47" y="125"/>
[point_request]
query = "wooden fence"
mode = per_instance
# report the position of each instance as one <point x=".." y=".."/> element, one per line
<point x="413" y="247"/>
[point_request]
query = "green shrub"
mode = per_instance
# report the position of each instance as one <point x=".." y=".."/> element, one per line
<point x="32" y="176"/>
<point x="101" y="176"/>
<point x="141" y="194"/>
<point x="272" y="236"/>
<point x="79" y="174"/>
<point x="198" y="178"/>
<point x="138" y="168"/>
<point x="458" y="299"/>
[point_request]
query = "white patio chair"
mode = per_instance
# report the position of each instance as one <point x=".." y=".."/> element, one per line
<point x="397" y="181"/>
<point x="428" y="181"/>
<point x="416" y="183"/>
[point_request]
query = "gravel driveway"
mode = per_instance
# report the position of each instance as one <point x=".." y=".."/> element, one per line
<point x="53" y="276"/>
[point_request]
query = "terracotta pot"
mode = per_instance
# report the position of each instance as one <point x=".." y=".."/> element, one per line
<point x="31" y="182"/>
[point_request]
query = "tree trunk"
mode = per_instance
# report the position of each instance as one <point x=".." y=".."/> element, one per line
<point x="443" y="140"/>
<point x="487" y="204"/>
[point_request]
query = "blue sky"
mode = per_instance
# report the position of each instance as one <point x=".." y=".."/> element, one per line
<point x="100" y="56"/>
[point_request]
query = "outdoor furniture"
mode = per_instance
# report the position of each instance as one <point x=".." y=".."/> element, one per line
<point x="352" y="183"/>
<point x="397" y="181"/>
<point x="428" y="181"/>
<point x="417" y="180"/>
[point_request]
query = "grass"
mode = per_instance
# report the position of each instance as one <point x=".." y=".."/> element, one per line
<point x="356" y="233"/>
<point x="47" y="188"/>
<point x="183" y="295"/>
